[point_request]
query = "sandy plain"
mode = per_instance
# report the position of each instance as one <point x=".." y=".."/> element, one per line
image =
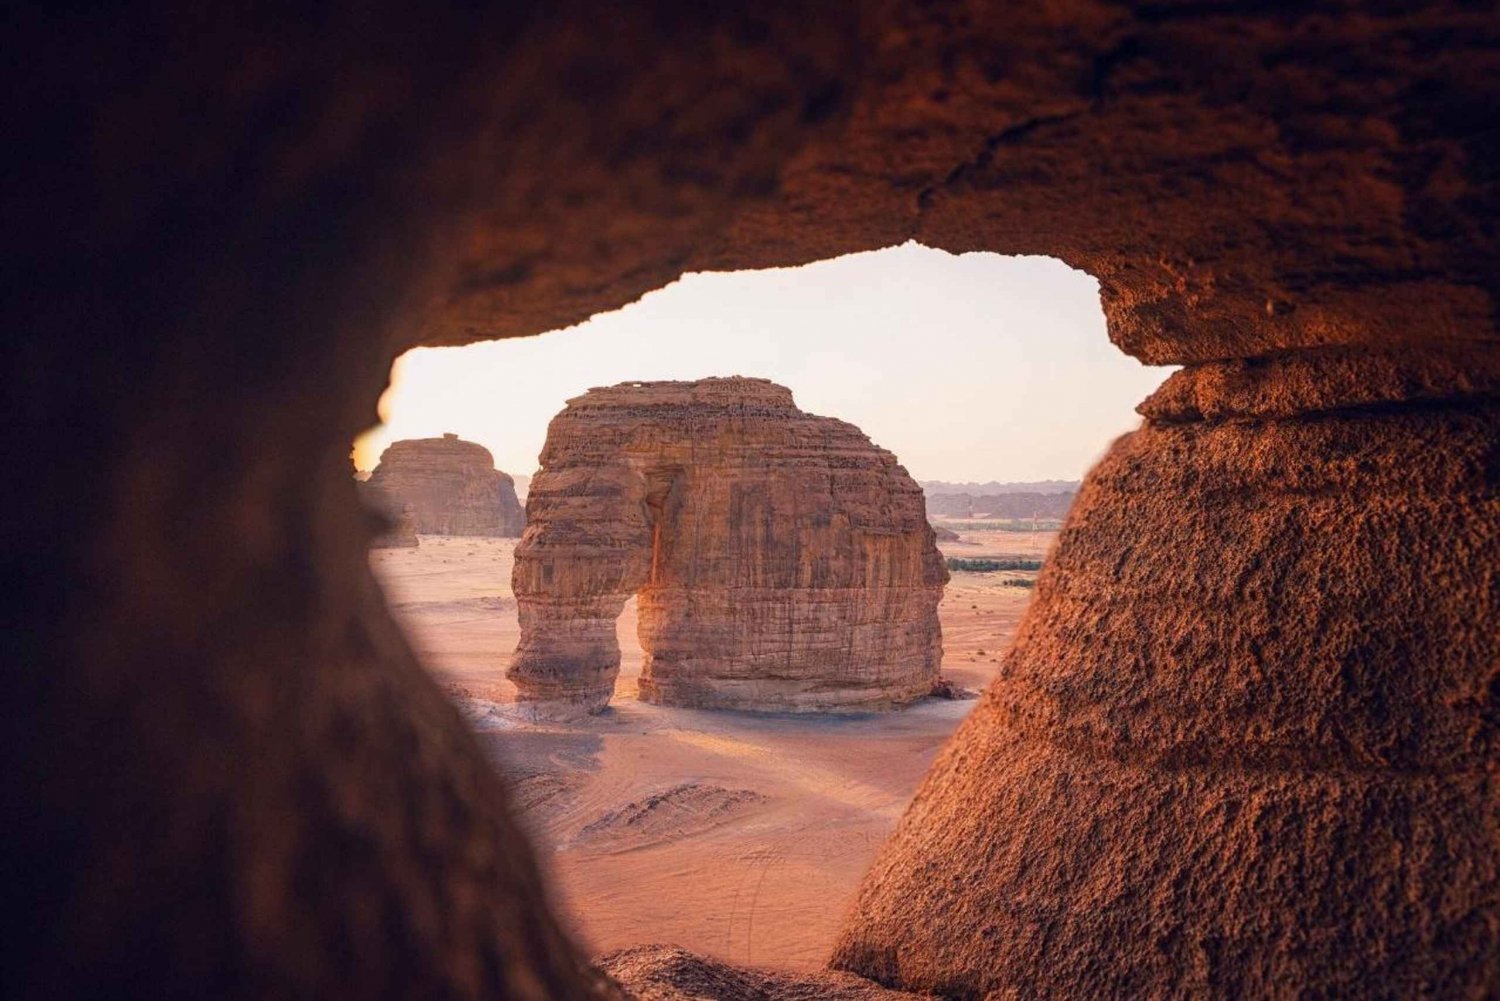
<point x="738" y="835"/>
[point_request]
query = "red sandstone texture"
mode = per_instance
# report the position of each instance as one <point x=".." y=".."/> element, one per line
<point x="1213" y="658"/>
<point x="228" y="775"/>
<point x="450" y="486"/>
<point x="783" y="561"/>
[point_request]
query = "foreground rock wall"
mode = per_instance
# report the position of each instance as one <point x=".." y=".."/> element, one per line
<point x="451" y="487"/>
<point x="783" y="561"/>
<point x="1213" y="657"/>
<point x="224" y="228"/>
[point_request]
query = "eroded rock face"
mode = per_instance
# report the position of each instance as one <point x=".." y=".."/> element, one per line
<point x="666" y="973"/>
<point x="1255" y="638"/>
<point x="783" y="561"/>
<point x="450" y="487"/>
<point x="221" y="255"/>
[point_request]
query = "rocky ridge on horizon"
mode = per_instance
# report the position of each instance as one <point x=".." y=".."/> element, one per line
<point x="451" y="487"/>
<point x="935" y="488"/>
<point x="1013" y="506"/>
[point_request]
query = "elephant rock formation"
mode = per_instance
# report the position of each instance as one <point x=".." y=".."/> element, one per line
<point x="783" y="561"/>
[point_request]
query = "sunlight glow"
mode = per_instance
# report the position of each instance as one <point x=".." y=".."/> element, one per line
<point x="973" y="367"/>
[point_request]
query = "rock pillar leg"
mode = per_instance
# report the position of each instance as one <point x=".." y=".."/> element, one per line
<point x="569" y="656"/>
<point x="586" y="550"/>
<point x="1245" y="741"/>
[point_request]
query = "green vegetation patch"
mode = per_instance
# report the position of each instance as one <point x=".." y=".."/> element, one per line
<point x="991" y="566"/>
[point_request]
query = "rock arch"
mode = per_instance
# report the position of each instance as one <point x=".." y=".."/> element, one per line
<point x="670" y="490"/>
<point x="227" y="227"/>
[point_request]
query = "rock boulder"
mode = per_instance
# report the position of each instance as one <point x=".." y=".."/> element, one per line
<point x="783" y="561"/>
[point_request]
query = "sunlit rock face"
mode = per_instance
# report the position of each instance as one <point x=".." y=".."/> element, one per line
<point x="1253" y="704"/>
<point x="783" y="561"/>
<point x="450" y="487"/>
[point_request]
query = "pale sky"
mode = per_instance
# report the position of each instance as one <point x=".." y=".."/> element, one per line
<point x="970" y="368"/>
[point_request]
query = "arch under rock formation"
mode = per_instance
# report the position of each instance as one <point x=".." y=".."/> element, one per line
<point x="784" y="562"/>
<point x="1260" y="773"/>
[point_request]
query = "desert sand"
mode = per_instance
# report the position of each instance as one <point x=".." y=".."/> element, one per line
<point x="742" y="836"/>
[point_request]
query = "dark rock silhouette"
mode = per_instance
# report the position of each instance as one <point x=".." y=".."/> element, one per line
<point x="1263" y="652"/>
<point x="402" y="534"/>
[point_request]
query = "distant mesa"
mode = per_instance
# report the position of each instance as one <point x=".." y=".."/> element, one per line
<point x="1009" y="505"/>
<point x="783" y="562"/>
<point x="935" y="488"/>
<point x="451" y="486"/>
<point x="944" y="534"/>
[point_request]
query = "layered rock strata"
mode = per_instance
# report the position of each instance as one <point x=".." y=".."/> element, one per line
<point x="783" y="561"/>
<point x="1257" y="633"/>
<point x="451" y="487"/>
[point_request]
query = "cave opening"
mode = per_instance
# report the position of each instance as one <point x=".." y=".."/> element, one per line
<point x="987" y="378"/>
<point x="1248" y="736"/>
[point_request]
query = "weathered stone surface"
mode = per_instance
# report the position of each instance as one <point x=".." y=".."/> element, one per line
<point x="1257" y="635"/>
<point x="402" y="533"/>
<point x="1242" y="179"/>
<point x="783" y="561"/>
<point x="451" y="487"/>
<point x="1002" y="506"/>
<point x="225" y="227"/>
<point x="666" y="973"/>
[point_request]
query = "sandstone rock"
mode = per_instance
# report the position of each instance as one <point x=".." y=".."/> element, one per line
<point x="403" y="533"/>
<point x="946" y="688"/>
<point x="1256" y="637"/>
<point x="783" y="561"/>
<point x="206" y="309"/>
<point x="1012" y="506"/>
<point x="944" y="534"/>
<point x="451" y="486"/>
